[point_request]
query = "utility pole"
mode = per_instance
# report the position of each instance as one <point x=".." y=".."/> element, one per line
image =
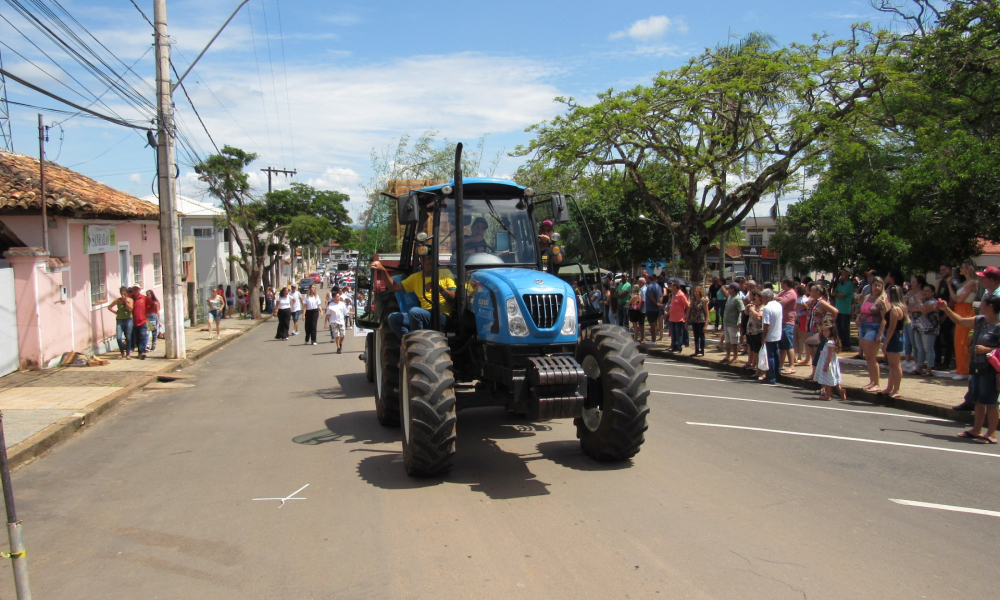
<point x="272" y="170"/>
<point x="170" y="248"/>
<point x="41" y="182"/>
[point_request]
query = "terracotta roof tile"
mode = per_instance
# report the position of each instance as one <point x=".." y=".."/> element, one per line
<point x="66" y="190"/>
<point x="989" y="248"/>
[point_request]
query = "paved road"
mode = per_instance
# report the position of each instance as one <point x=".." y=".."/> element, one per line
<point x="157" y="501"/>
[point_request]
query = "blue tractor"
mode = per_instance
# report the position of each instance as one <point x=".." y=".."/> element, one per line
<point x="522" y="330"/>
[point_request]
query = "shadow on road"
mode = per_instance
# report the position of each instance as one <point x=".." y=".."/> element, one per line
<point x="359" y="427"/>
<point x="567" y="453"/>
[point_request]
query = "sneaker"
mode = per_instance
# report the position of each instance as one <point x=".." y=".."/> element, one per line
<point x="964" y="407"/>
<point x="960" y="377"/>
<point x="338" y="350"/>
<point x="314" y="343"/>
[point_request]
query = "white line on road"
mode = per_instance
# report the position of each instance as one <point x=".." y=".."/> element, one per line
<point x="962" y="509"/>
<point x="866" y="412"/>
<point x="849" y="439"/>
<point x="288" y="497"/>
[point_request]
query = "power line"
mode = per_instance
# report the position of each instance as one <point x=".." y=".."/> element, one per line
<point x="142" y="13"/>
<point x="274" y="87"/>
<point x="284" y="69"/>
<point x="260" y="82"/>
<point x="184" y="89"/>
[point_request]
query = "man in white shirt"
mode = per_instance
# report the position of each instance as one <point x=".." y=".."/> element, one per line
<point x="772" y="320"/>
<point x="336" y="315"/>
<point x="295" y="297"/>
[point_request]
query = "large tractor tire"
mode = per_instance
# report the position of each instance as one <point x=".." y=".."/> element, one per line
<point x="387" y="372"/>
<point x="370" y="356"/>
<point x="614" y="416"/>
<point x="428" y="403"/>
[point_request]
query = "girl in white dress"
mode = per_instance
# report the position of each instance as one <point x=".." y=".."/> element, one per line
<point x="828" y="371"/>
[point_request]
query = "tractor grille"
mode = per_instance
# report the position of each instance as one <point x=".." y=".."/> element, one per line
<point x="544" y="309"/>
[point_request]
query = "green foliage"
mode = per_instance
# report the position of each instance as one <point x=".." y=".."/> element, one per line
<point x="743" y="112"/>
<point x="311" y="217"/>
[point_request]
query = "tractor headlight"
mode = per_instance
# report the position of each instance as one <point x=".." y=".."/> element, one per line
<point x="569" y="322"/>
<point x="515" y="320"/>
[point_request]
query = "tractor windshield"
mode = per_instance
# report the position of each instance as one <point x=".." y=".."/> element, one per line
<point x="494" y="232"/>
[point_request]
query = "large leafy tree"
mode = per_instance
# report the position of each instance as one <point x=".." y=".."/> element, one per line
<point x="734" y="123"/>
<point x="255" y="223"/>
<point x="920" y="188"/>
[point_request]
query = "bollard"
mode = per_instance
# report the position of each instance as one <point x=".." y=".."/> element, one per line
<point x="18" y="557"/>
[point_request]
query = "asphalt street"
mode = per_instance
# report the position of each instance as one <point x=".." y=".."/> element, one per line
<point x="783" y="497"/>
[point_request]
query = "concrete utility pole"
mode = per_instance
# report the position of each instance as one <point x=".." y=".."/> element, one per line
<point x="272" y="170"/>
<point x="41" y="182"/>
<point x="170" y="247"/>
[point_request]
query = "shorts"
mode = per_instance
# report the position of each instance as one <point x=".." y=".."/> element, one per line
<point x="635" y="315"/>
<point x="213" y="315"/>
<point x="653" y="317"/>
<point x="983" y="389"/>
<point x="229" y="302"/>
<point x="755" y="341"/>
<point x="337" y="330"/>
<point x="895" y="343"/>
<point x="868" y="331"/>
<point x="787" y="335"/>
<point x="295" y="315"/>
<point x="732" y="335"/>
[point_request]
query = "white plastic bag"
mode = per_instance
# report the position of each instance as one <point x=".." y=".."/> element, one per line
<point x="762" y="358"/>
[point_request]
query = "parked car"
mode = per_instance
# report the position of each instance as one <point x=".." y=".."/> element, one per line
<point x="305" y="284"/>
<point x="316" y="277"/>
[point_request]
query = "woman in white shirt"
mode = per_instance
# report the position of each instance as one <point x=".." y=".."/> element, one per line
<point x="311" y="304"/>
<point x="282" y="310"/>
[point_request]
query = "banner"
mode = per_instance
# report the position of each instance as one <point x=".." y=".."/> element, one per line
<point x="98" y="239"/>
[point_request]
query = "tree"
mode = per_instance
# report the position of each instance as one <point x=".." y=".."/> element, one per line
<point x="255" y="223"/>
<point x="743" y="111"/>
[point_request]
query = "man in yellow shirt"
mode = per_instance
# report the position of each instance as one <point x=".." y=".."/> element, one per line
<point x="419" y="317"/>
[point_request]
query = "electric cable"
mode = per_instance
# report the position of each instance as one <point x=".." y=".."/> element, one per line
<point x="274" y="87"/>
<point x="284" y="69"/>
<point x="260" y="82"/>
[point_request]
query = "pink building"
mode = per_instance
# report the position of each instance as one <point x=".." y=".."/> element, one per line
<point x="99" y="240"/>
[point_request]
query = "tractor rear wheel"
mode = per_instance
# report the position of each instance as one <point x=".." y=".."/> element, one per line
<point x="614" y="415"/>
<point x="387" y="371"/>
<point x="428" y="403"/>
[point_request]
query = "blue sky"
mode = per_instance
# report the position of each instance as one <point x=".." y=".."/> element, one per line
<point x="316" y="86"/>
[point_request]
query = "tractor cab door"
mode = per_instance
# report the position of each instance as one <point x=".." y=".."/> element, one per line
<point x="382" y="240"/>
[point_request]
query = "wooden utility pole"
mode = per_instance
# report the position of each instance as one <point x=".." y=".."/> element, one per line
<point x="170" y="247"/>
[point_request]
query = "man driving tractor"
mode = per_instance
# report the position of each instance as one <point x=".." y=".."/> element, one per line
<point x="419" y="317"/>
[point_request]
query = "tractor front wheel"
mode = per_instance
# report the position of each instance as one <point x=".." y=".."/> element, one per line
<point x="428" y="404"/>
<point x="387" y="373"/>
<point x="614" y="415"/>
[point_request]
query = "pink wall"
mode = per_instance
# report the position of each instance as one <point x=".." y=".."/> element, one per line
<point x="49" y="326"/>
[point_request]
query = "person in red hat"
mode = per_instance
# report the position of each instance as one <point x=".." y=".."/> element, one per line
<point x="989" y="278"/>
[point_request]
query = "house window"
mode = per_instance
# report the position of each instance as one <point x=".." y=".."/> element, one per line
<point x="98" y="280"/>
<point x="756" y="239"/>
<point x="157" y="271"/>
<point x="137" y="269"/>
<point x="203" y="232"/>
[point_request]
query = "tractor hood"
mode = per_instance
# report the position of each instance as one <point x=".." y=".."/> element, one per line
<point x="542" y="300"/>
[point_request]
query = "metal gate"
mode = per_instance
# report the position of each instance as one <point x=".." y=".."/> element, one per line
<point x="9" y="357"/>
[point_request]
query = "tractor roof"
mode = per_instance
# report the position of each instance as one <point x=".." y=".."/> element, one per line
<point x="482" y="184"/>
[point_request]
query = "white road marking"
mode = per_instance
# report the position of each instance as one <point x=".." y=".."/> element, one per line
<point x="288" y="497"/>
<point x="866" y="412"/>
<point x="962" y="509"/>
<point x="686" y="377"/>
<point x="849" y="439"/>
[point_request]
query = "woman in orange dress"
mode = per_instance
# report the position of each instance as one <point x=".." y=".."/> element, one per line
<point x="962" y="300"/>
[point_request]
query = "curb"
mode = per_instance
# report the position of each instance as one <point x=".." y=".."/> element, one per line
<point x="930" y="410"/>
<point x="40" y="443"/>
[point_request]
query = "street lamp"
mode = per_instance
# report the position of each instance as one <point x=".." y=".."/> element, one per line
<point x="673" y="250"/>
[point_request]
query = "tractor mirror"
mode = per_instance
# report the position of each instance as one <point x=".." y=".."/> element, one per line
<point x="408" y="209"/>
<point x="560" y="214"/>
<point x="503" y="241"/>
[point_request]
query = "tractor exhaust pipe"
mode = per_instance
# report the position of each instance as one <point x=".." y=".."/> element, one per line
<point x="460" y="249"/>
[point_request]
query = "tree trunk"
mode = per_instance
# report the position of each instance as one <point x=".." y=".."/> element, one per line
<point x="695" y="259"/>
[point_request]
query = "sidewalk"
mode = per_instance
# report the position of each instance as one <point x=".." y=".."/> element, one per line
<point x="43" y="408"/>
<point x="931" y="396"/>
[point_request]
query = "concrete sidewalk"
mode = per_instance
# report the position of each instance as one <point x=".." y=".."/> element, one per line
<point x="932" y="396"/>
<point x="42" y="408"/>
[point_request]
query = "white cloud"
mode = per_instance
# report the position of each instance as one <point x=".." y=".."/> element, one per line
<point x="343" y="19"/>
<point x="646" y="29"/>
<point x="135" y="178"/>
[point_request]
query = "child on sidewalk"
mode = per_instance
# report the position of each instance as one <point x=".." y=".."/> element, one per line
<point x="336" y="311"/>
<point x="828" y="371"/>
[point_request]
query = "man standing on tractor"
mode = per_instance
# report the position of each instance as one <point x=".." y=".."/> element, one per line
<point x="552" y="255"/>
<point x="419" y="317"/>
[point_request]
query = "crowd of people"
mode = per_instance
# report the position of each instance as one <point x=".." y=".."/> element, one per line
<point x="290" y="305"/>
<point x="137" y="321"/>
<point x="918" y="328"/>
